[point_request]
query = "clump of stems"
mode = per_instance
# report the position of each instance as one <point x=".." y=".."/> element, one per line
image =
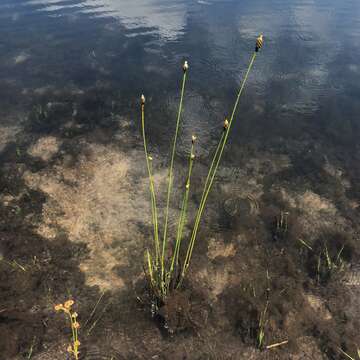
<point x="166" y="274"/>
<point x="73" y="348"/>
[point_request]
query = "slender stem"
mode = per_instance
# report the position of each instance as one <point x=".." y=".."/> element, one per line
<point x="182" y="218"/>
<point x="202" y="205"/>
<point x="171" y="175"/>
<point x="151" y="186"/>
<point x="198" y="214"/>
<point x="150" y="266"/>
<point x="74" y="334"/>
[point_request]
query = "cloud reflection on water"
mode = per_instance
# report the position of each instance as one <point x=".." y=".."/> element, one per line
<point x="167" y="17"/>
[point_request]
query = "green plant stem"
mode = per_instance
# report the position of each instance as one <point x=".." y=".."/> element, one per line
<point x="149" y="262"/>
<point x="171" y="176"/>
<point x="198" y="214"/>
<point x="152" y="190"/>
<point x="182" y="219"/>
<point x="202" y="204"/>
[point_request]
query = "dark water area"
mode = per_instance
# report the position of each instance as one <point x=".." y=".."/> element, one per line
<point x="282" y="225"/>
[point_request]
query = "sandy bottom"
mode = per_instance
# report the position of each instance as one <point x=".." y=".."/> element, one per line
<point x="96" y="200"/>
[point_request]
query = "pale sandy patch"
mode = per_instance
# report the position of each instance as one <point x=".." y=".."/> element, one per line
<point x="45" y="148"/>
<point x="101" y="201"/>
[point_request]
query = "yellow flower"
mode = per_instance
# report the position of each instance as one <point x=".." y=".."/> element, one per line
<point x="74" y="315"/>
<point x="77" y="343"/>
<point x="226" y="124"/>
<point x="68" y="304"/>
<point x="58" y="307"/>
<point x="70" y="349"/>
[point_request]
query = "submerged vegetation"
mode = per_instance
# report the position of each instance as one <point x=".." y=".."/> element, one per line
<point x="66" y="308"/>
<point x="164" y="273"/>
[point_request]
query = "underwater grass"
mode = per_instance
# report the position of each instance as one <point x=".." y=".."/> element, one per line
<point x="165" y="274"/>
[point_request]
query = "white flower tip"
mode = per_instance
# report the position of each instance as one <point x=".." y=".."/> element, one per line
<point x="185" y="66"/>
<point x="192" y="156"/>
<point x="193" y="138"/>
<point x="142" y="99"/>
<point x="226" y="124"/>
<point x="150" y="158"/>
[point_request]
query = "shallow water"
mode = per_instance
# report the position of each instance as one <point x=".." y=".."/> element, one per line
<point x="74" y="207"/>
<point x="306" y="78"/>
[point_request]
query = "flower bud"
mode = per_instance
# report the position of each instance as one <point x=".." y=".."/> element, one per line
<point x="193" y="138"/>
<point x="192" y="156"/>
<point x="150" y="158"/>
<point x="259" y="42"/>
<point x="142" y="99"/>
<point x="76" y="325"/>
<point x="186" y="66"/>
<point x="226" y="124"/>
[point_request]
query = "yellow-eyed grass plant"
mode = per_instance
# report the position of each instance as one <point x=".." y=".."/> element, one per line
<point x="66" y="308"/>
<point x="165" y="274"/>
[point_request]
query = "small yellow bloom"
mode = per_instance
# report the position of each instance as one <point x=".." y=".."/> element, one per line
<point x="192" y="156"/>
<point x="58" y="307"/>
<point x="150" y="158"/>
<point x="77" y="343"/>
<point x="68" y="304"/>
<point x="226" y="124"/>
<point x="74" y="315"/>
<point x="76" y="325"/>
<point x="70" y="349"/>
<point x="142" y="99"/>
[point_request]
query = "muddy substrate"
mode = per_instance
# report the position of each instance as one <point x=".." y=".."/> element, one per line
<point x="74" y="224"/>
